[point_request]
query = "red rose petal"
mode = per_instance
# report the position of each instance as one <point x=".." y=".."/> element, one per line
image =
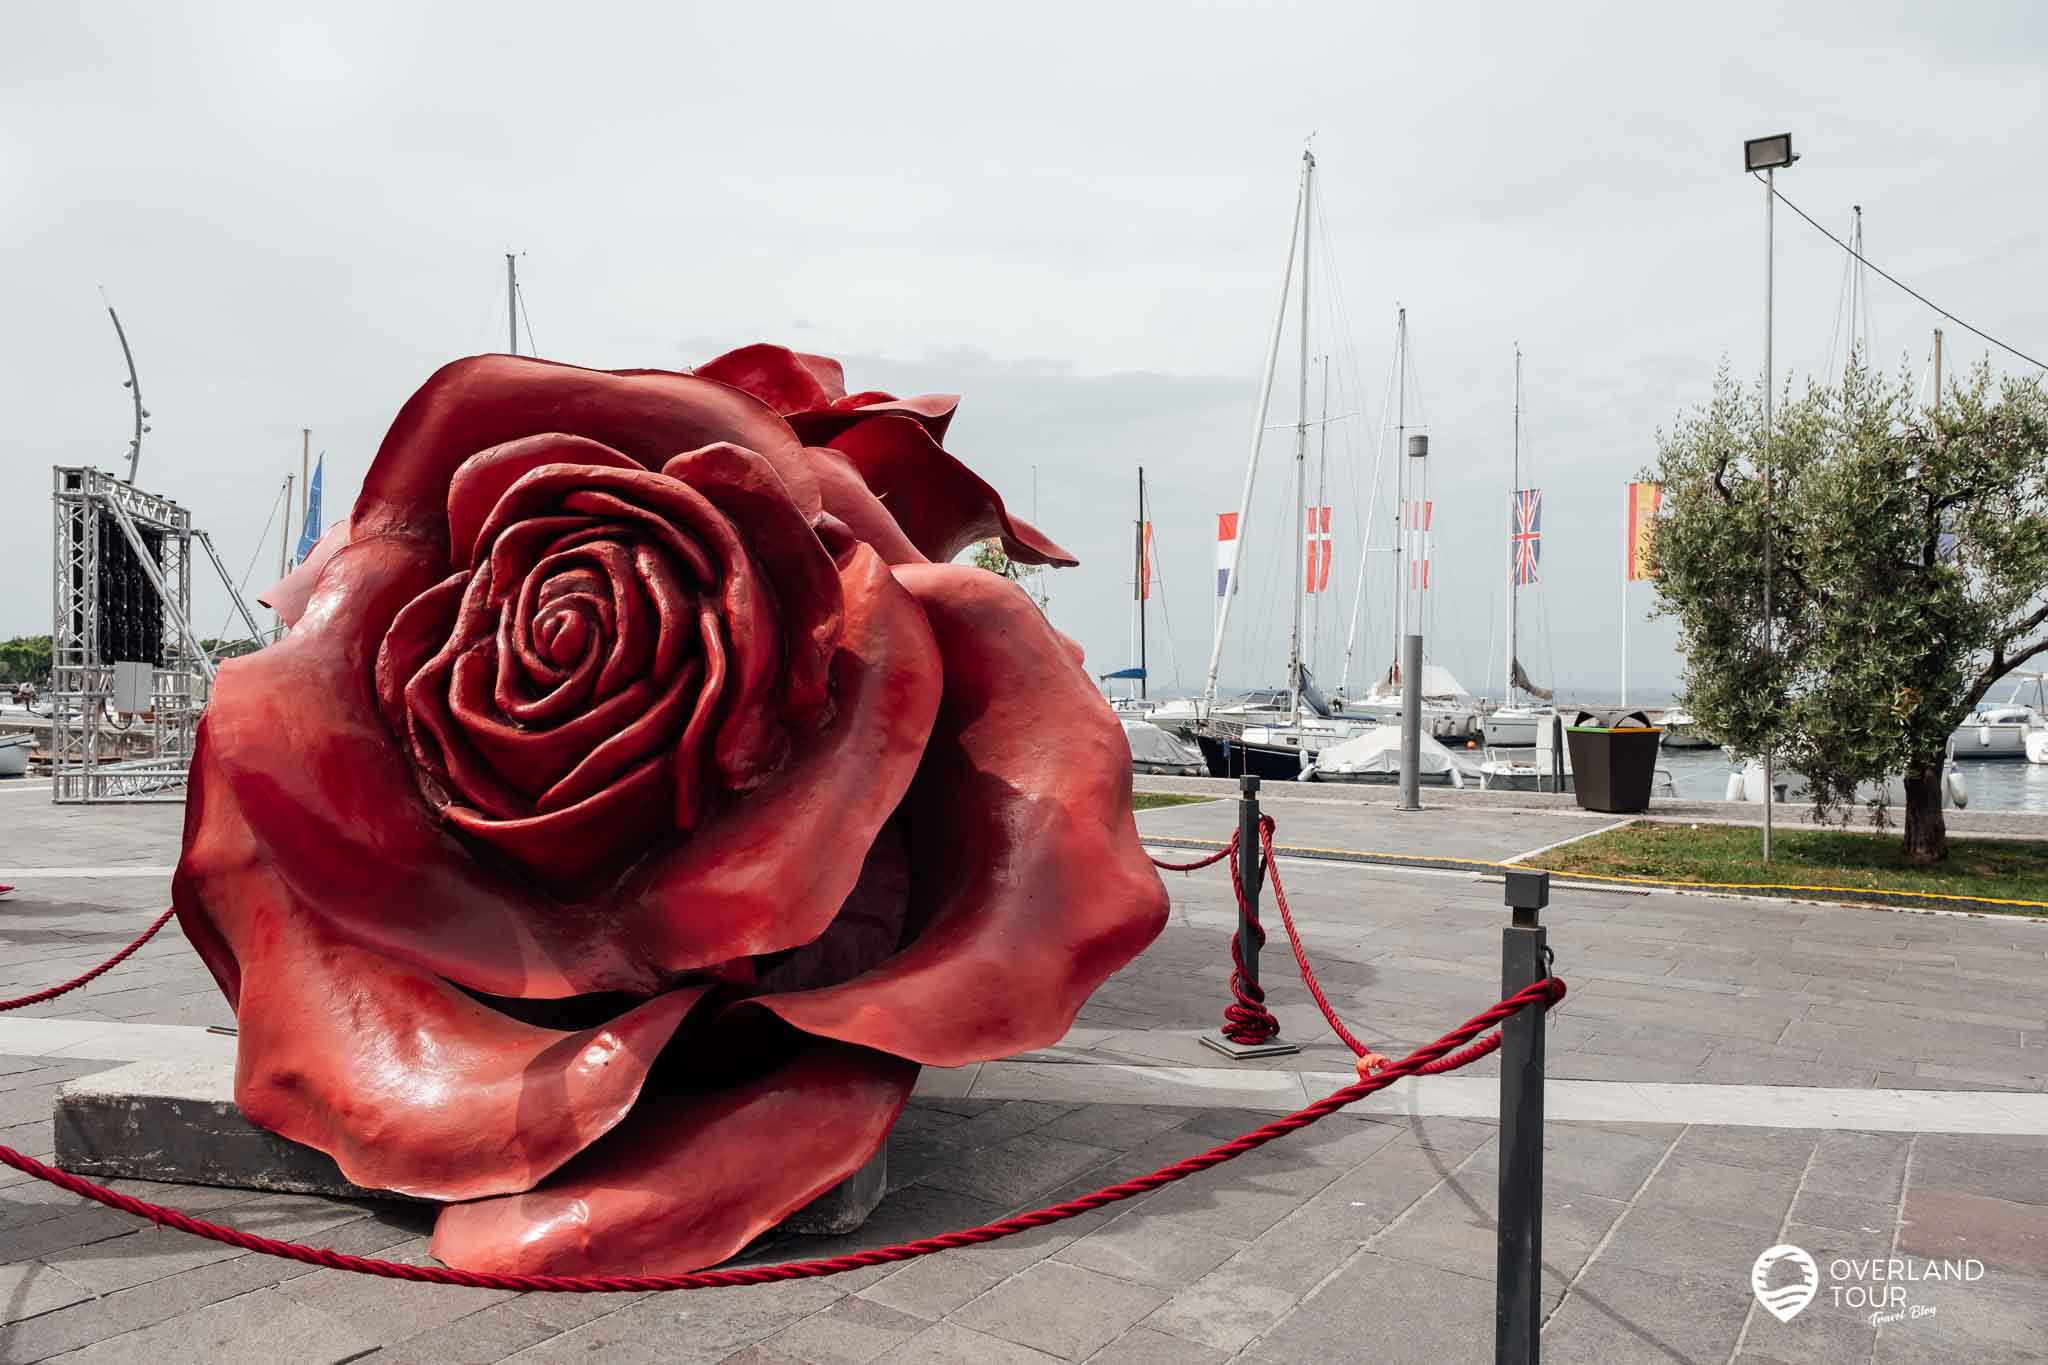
<point x="534" y="760"/>
<point x="408" y="1083"/>
<point x="747" y="490"/>
<point x="692" y="788"/>
<point x="750" y="739"/>
<point x="934" y="411"/>
<point x="1029" y="867"/>
<point x="769" y="870"/>
<point x="830" y="374"/>
<point x="294" y="739"/>
<point x="689" y="1180"/>
<point x="416" y="635"/>
<point x="941" y="504"/>
<point x="485" y="401"/>
<point x="776" y="375"/>
<point x="568" y="845"/>
<point x="289" y="595"/>
<point x="483" y="477"/>
<point x="851" y="503"/>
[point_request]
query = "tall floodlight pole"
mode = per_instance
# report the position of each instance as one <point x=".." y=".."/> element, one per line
<point x="134" y="387"/>
<point x="1767" y="154"/>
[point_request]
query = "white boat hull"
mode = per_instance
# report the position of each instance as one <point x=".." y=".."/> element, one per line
<point x="1747" y="784"/>
<point x="1991" y="739"/>
<point x="14" y="755"/>
<point x="1512" y="727"/>
<point x="1508" y="732"/>
<point x="2037" y="747"/>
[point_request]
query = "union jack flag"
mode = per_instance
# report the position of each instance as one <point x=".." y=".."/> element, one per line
<point x="1525" y="533"/>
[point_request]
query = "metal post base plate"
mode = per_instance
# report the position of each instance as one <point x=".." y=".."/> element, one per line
<point x="1272" y="1047"/>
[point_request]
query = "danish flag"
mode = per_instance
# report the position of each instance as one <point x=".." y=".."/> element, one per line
<point x="1318" y="565"/>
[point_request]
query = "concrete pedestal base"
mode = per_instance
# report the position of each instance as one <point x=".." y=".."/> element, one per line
<point x="176" y="1121"/>
<point x="1272" y="1047"/>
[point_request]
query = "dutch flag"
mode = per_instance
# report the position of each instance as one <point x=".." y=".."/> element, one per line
<point x="1226" y="546"/>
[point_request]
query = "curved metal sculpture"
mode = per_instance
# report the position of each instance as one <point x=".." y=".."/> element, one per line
<point x="641" y="798"/>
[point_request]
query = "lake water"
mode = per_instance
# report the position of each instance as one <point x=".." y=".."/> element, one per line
<point x="1702" y="775"/>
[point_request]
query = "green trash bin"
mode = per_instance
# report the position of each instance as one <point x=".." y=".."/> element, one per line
<point x="1613" y="764"/>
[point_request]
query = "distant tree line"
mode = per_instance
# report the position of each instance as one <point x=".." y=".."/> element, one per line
<point x="25" y="658"/>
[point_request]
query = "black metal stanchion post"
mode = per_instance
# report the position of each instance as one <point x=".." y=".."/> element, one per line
<point x="1251" y="876"/>
<point x="1251" y="871"/>
<point x="1518" y="1280"/>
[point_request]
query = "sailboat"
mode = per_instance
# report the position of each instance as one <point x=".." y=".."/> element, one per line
<point x="2006" y="730"/>
<point x="1514" y="723"/>
<point x="1258" y="739"/>
<point x="1447" y="708"/>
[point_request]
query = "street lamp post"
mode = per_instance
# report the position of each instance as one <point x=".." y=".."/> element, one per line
<point x="1767" y="154"/>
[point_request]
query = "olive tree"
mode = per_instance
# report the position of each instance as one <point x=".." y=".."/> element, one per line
<point x="1910" y="574"/>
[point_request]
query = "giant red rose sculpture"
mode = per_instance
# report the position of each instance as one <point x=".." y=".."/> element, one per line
<point x="640" y="798"/>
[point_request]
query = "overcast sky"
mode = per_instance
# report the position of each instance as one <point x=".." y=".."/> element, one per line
<point x="1074" y="216"/>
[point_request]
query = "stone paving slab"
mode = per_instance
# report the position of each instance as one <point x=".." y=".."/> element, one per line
<point x="1366" y="1237"/>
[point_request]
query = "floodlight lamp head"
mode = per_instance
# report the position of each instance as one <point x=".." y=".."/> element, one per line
<point x="1418" y="447"/>
<point x="1768" y="153"/>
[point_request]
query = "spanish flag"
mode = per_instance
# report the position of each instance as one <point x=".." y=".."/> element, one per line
<point x="1643" y="499"/>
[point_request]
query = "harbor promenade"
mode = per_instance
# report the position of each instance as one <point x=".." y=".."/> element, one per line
<point x="1726" y="1076"/>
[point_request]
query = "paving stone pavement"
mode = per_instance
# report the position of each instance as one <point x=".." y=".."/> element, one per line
<point x="1358" y="1239"/>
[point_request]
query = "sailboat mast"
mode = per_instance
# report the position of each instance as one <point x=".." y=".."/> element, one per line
<point x="1400" y="476"/>
<point x="1308" y="171"/>
<point x="1324" y="550"/>
<point x="511" y="305"/>
<point x="1144" y="586"/>
<point x="1514" y="511"/>
<point x="1251" y="468"/>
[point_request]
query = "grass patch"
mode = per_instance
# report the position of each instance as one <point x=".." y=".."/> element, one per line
<point x="1997" y="869"/>
<point x="1157" y="800"/>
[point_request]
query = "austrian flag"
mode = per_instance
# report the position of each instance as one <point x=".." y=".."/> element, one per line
<point x="1415" y="534"/>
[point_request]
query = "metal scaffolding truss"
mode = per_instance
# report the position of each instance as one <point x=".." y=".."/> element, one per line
<point x="121" y="592"/>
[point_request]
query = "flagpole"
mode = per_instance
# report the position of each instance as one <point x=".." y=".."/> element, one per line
<point x="1507" y="688"/>
<point x="1144" y="585"/>
<point x="1628" y="568"/>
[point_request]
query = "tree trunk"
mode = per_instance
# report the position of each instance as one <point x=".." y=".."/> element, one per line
<point x="1926" y="827"/>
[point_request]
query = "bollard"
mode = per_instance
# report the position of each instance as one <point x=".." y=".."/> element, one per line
<point x="1251" y="876"/>
<point x="1411" y="723"/>
<point x="1518" y="1276"/>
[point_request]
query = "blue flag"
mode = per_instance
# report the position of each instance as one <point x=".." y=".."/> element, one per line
<point x="309" y="535"/>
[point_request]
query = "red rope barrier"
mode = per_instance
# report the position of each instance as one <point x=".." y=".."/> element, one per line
<point x="1198" y="864"/>
<point x="52" y="992"/>
<point x="1246" y="1020"/>
<point x="1430" y="1058"/>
